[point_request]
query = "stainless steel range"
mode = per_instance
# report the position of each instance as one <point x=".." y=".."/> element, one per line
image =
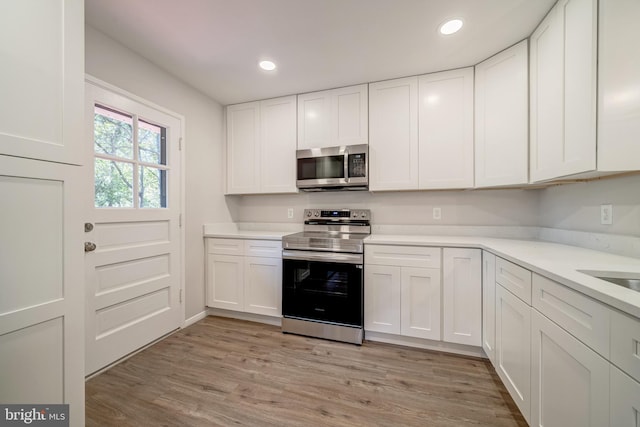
<point x="323" y="275"/>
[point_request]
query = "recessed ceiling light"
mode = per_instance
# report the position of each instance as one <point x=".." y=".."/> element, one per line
<point x="451" y="26"/>
<point x="267" y="65"/>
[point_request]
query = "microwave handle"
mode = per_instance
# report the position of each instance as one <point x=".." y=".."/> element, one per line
<point x="346" y="164"/>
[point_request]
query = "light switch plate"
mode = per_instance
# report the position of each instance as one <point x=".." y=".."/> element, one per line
<point x="606" y="214"/>
<point x="290" y="213"/>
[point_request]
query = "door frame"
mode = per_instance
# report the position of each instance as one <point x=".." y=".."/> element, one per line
<point x="119" y="91"/>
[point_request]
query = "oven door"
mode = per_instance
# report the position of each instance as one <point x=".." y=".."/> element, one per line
<point x="323" y="286"/>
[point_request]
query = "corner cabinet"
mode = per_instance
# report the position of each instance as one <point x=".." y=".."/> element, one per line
<point x="261" y="146"/>
<point x="502" y="118"/>
<point x="489" y="305"/>
<point x="245" y="275"/>
<point x="333" y="117"/>
<point x="563" y="91"/>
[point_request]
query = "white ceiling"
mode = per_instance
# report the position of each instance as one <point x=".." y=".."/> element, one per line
<point x="215" y="45"/>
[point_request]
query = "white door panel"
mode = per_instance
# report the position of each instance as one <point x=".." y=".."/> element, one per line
<point x="134" y="275"/>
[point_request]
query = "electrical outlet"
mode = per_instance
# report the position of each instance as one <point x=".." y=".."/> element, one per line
<point x="290" y="213"/>
<point x="606" y="214"/>
<point x="437" y="213"/>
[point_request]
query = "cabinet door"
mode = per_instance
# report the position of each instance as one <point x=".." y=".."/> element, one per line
<point x="563" y="91"/>
<point x="350" y="115"/>
<point x="502" y="118"/>
<point x="42" y="80"/>
<point x="513" y="348"/>
<point x="393" y="134"/>
<point x="42" y="284"/>
<point x="243" y="148"/>
<point x="569" y="381"/>
<point x="382" y="299"/>
<point x="420" y="302"/>
<point x="462" y="295"/>
<point x="225" y="282"/>
<point x="278" y="145"/>
<point x="263" y="286"/>
<point x="314" y="118"/>
<point x="618" y="71"/>
<point x="445" y="129"/>
<point x="489" y="305"/>
<point x="625" y="399"/>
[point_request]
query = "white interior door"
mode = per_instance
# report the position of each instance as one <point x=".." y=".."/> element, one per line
<point x="133" y="276"/>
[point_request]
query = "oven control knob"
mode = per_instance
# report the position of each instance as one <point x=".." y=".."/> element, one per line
<point x="309" y="214"/>
<point x="363" y="214"/>
<point x="316" y="214"/>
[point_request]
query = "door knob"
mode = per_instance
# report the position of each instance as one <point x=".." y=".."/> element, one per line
<point x="88" y="227"/>
<point x="89" y="246"/>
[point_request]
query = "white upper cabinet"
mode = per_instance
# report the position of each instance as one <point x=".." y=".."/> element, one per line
<point x="502" y="118"/>
<point x="42" y="80"/>
<point x="243" y="151"/>
<point x="618" y="97"/>
<point x="393" y="139"/>
<point x="333" y="117"/>
<point x="563" y="91"/>
<point x="445" y="129"/>
<point x="278" y="145"/>
<point x="261" y="146"/>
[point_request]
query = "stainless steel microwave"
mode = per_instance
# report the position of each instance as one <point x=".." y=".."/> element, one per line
<point x="333" y="168"/>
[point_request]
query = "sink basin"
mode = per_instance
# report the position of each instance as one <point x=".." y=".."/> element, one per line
<point x="627" y="283"/>
<point x="626" y="280"/>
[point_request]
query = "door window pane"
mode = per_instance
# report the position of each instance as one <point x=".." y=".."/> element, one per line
<point x="113" y="184"/>
<point x="152" y="143"/>
<point x="152" y="187"/>
<point x="113" y="133"/>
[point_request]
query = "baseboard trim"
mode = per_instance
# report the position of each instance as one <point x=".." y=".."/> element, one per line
<point x="269" y="320"/>
<point x="196" y="318"/>
<point x="465" y="350"/>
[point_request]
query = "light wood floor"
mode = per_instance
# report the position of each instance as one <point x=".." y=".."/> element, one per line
<point x="230" y="372"/>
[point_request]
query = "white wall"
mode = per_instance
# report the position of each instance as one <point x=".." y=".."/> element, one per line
<point x="577" y="206"/>
<point x="485" y="207"/>
<point x="203" y="143"/>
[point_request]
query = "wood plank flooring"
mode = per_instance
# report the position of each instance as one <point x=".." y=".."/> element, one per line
<point x="223" y="372"/>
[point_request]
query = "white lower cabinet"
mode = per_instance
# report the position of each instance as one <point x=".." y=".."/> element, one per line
<point x="382" y="290"/>
<point x="513" y="347"/>
<point x="624" y="400"/>
<point x="489" y="305"/>
<point x="244" y="283"/>
<point x="420" y="302"/>
<point x="462" y="296"/>
<point x="263" y="286"/>
<point x="570" y="382"/>
<point x="224" y="282"/>
<point x="402" y="291"/>
<point x="408" y="294"/>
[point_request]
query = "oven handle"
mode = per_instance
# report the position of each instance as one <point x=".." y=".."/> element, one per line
<point x="335" y="257"/>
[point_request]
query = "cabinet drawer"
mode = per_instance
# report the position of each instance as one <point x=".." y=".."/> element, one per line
<point x="263" y="248"/>
<point x="403" y="256"/>
<point x="514" y="278"/>
<point x="625" y="343"/>
<point x="225" y="246"/>
<point x="582" y="317"/>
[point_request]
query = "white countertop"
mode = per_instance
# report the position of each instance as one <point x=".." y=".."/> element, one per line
<point x="230" y="231"/>
<point x="555" y="261"/>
